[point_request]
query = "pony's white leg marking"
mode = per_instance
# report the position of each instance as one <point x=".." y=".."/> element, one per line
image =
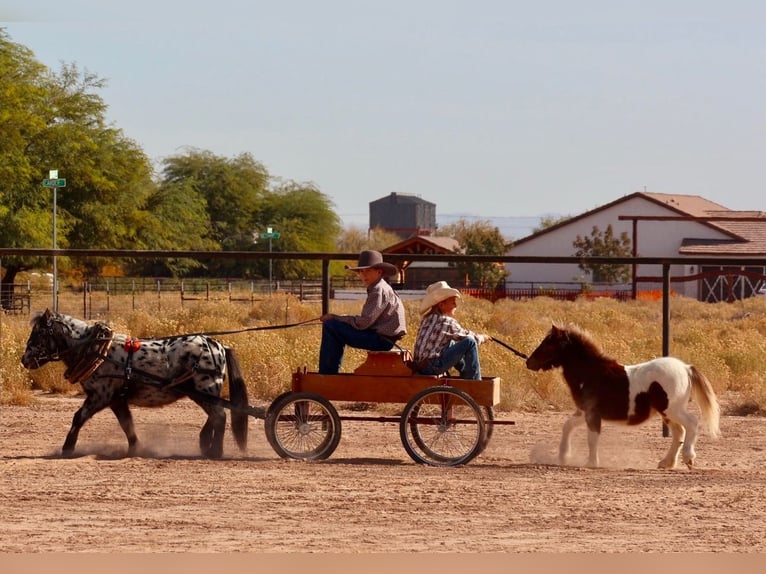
<point x="677" y="434"/>
<point x="593" y="437"/>
<point x="689" y="423"/>
<point x="565" y="446"/>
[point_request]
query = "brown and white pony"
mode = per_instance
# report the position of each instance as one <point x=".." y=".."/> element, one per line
<point x="605" y="390"/>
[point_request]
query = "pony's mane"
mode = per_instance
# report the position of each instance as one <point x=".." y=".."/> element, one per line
<point x="583" y="339"/>
<point x="37" y="317"/>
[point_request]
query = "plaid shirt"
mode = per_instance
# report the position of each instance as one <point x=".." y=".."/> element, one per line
<point x="383" y="312"/>
<point x="434" y="334"/>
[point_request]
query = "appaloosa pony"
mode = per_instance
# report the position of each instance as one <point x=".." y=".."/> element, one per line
<point x="603" y="389"/>
<point x="116" y="371"/>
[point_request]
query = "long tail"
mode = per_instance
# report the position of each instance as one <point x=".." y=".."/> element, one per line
<point x="238" y="397"/>
<point x="705" y="396"/>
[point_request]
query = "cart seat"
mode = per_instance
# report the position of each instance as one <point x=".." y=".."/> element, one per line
<point x="385" y="363"/>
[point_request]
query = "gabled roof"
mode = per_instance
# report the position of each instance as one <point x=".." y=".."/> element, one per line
<point x="425" y="244"/>
<point x="748" y="237"/>
<point x="747" y="229"/>
<point x="693" y="205"/>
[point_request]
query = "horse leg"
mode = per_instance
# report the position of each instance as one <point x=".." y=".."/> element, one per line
<point x="689" y="423"/>
<point x="677" y="433"/>
<point x="565" y="446"/>
<point x="125" y="418"/>
<point x="211" y="435"/>
<point x="593" y="460"/>
<point x="89" y="407"/>
<point x="594" y="433"/>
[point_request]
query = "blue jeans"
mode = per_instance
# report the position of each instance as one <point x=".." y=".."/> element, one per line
<point x="337" y="334"/>
<point x="462" y="354"/>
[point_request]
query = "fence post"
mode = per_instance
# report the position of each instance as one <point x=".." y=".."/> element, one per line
<point x="665" y="323"/>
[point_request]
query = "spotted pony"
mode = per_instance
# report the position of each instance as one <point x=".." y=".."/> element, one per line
<point x="116" y="371"/>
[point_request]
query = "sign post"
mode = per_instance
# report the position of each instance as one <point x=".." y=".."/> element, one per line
<point x="54" y="182"/>
<point x="270" y="234"/>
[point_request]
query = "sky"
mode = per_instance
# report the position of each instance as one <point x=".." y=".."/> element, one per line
<point x="487" y="108"/>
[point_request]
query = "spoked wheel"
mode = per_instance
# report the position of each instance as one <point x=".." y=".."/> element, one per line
<point x="489" y="417"/>
<point x="279" y="398"/>
<point x="303" y="426"/>
<point x="443" y="426"/>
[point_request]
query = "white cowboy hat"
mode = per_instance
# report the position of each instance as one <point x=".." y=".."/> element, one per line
<point x="373" y="260"/>
<point x="436" y="293"/>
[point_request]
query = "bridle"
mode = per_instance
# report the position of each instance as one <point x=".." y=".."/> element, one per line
<point x="80" y="352"/>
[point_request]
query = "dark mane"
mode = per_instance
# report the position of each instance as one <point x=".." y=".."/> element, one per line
<point x="36" y="318"/>
<point x="583" y="339"/>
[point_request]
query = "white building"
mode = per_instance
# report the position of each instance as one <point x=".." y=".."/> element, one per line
<point x="662" y="225"/>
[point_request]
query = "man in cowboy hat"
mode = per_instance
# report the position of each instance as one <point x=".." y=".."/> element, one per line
<point x="378" y="327"/>
<point x="442" y="343"/>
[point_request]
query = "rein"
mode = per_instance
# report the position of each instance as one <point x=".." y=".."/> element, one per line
<point x="90" y="352"/>
<point x="507" y="346"/>
<point x="247" y="329"/>
<point x="521" y="356"/>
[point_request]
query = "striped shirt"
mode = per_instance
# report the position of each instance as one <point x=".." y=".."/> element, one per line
<point x="383" y="312"/>
<point x="434" y="334"/>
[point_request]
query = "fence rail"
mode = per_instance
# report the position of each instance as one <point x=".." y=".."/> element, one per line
<point x="664" y="263"/>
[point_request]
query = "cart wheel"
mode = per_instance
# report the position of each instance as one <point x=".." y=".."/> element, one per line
<point x="489" y="417"/>
<point x="303" y="426"/>
<point x="442" y="426"/>
<point x="277" y="400"/>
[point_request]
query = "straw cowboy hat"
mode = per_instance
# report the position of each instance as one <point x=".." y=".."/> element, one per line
<point x="436" y="293"/>
<point x="373" y="260"/>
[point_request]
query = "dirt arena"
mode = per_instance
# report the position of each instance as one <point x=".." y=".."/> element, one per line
<point x="370" y="497"/>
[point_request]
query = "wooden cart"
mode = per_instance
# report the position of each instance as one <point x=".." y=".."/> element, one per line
<point x="445" y="422"/>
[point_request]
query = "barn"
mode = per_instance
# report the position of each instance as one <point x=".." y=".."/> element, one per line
<point x="659" y="225"/>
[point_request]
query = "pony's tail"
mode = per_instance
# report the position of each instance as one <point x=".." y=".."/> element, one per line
<point x="238" y="398"/>
<point x="705" y="396"/>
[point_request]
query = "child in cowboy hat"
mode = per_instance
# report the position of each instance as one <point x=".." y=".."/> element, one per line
<point x="442" y="343"/>
<point x="378" y="327"/>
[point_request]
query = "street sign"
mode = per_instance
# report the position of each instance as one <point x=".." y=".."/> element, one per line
<point x="59" y="182"/>
<point x="273" y="235"/>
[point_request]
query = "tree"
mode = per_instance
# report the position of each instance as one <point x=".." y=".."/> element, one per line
<point x="354" y="239"/>
<point x="242" y="200"/>
<point x="479" y="238"/>
<point x="604" y="244"/>
<point x="305" y="220"/>
<point x="176" y="217"/>
<point x="233" y="188"/>
<point x="57" y="121"/>
<point x="232" y="191"/>
<point x="550" y="221"/>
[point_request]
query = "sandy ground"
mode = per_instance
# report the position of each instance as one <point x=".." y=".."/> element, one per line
<point x="370" y="497"/>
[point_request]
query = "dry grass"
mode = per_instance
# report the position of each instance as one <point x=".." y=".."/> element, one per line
<point x="726" y="341"/>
